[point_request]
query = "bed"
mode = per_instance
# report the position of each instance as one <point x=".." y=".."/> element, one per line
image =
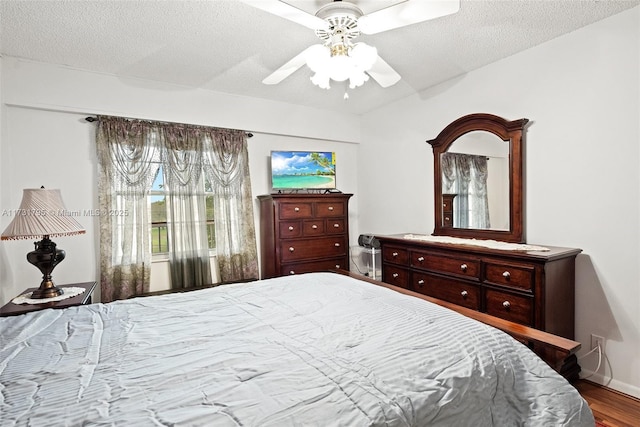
<point x="317" y="349"/>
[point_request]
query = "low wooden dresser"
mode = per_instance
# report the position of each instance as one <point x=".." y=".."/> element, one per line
<point x="533" y="288"/>
<point x="301" y="233"/>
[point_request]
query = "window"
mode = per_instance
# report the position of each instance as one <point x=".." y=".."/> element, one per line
<point x="158" y="202"/>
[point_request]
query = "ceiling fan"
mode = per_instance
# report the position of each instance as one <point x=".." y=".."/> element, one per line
<point x="337" y="24"/>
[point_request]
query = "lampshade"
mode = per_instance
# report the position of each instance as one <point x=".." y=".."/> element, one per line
<point x="341" y="61"/>
<point x="41" y="213"/>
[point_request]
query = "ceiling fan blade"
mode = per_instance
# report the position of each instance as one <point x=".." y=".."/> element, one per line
<point x="289" y="12"/>
<point x="289" y="68"/>
<point x="383" y="73"/>
<point x="406" y="13"/>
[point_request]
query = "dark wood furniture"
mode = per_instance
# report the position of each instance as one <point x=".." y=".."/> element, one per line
<point x="532" y="288"/>
<point x="301" y="233"/>
<point x="11" y="309"/>
<point x="447" y="210"/>
<point x="486" y="125"/>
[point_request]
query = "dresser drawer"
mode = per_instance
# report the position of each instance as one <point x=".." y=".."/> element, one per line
<point x="460" y="266"/>
<point x="451" y="290"/>
<point x="290" y="229"/>
<point x="447" y="204"/>
<point x="520" y="277"/>
<point x="313" y="227"/>
<point x="395" y="275"/>
<point x="308" y="267"/>
<point x="295" y="210"/>
<point x="447" y="219"/>
<point x="322" y="247"/>
<point x="335" y="226"/>
<point x="511" y="307"/>
<point x="325" y="209"/>
<point x="395" y="255"/>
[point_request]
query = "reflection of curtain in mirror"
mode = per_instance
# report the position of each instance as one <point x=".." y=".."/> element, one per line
<point x="466" y="176"/>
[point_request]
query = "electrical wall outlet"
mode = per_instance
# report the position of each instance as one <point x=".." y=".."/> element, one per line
<point x="595" y="340"/>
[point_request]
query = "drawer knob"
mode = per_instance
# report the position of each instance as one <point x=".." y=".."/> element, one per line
<point x="444" y="205"/>
<point x="464" y="267"/>
<point x="336" y="225"/>
<point x="506" y="305"/>
<point x="330" y="208"/>
<point x="314" y="226"/>
<point x="291" y="228"/>
<point x="297" y="209"/>
<point x="446" y="218"/>
<point x="421" y="259"/>
<point x="337" y="265"/>
<point x="421" y="282"/>
<point x="291" y="249"/>
<point x="292" y="272"/>
<point x="464" y="294"/>
<point x="337" y="245"/>
<point x="506" y="275"/>
<point x="395" y="254"/>
<point x="395" y="275"/>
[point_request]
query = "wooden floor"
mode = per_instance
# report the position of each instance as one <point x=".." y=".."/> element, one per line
<point x="610" y="408"/>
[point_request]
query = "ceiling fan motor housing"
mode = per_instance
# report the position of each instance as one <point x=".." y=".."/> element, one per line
<point x="342" y="18"/>
<point x="339" y="8"/>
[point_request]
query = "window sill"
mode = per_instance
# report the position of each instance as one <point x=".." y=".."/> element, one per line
<point x="165" y="257"/>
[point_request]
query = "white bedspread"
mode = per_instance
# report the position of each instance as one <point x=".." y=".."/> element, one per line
<point x="310" y="350"/>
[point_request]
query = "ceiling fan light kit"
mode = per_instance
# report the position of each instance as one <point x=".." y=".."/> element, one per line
<point x="341" y="62"/>
<point x="337" y="24"/>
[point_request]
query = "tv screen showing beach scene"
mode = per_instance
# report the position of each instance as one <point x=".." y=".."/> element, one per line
<point x="302" y="170"/>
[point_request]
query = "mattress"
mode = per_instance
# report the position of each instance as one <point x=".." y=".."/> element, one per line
<point x="316" y="349"/>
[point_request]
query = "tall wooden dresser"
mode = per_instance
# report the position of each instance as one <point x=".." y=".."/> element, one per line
<point x="301" y="233"/>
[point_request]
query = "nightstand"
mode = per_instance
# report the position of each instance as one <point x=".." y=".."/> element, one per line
<point x="11" y="309"/>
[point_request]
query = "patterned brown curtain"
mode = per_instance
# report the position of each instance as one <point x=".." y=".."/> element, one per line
<point x="128" y="160"/>
<point x="130" y="153"/>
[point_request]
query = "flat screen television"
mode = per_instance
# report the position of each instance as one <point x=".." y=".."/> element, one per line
<point x="303" y="170"/>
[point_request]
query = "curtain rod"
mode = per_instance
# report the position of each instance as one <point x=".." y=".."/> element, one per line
<point x="91" y="119"/>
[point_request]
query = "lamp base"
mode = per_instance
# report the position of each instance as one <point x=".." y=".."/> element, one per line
<point x="47" y="291"/>
<point x="46" y="257"/>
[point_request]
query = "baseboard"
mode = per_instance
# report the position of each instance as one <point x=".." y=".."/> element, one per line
<point x="611" y="384"/>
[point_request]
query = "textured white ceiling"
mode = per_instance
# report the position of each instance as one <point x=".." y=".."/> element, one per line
<point x="228" y="46"/>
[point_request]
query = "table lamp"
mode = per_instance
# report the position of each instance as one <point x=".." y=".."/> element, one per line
<point x="42" y="214"/>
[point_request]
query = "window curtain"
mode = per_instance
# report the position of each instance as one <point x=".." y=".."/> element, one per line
<point x="189" y="262"/>
<point x="466" y="176"/>
<point x="129" y="154"/>
<point x="128" y="160"/>
<point x="227" y="167"/>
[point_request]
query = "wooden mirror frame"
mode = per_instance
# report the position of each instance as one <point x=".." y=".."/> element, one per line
<point x="512" y="131"/>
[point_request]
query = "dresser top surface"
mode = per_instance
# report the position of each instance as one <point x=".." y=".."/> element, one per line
<point x="553" y="252"/>
<point x="315" y="196"/>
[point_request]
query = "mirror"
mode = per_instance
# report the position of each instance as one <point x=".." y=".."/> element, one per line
<point x="478" y="178"/>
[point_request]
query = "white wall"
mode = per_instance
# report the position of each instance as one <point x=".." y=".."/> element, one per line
<point x="46" y="141"/>
<point x="581" y="92"/>
<point x="54" y="150"/>
<point x="3" y="257"/>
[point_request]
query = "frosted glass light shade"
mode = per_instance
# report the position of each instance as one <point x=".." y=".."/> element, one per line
<point x="340" y="67"/>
